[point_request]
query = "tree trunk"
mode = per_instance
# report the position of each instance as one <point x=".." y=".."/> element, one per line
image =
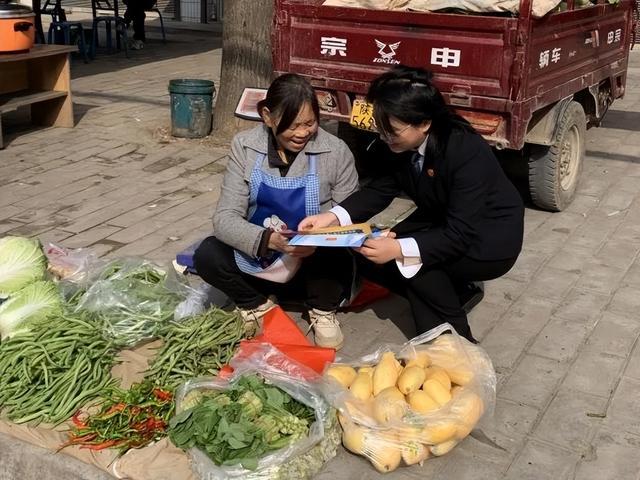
<point x="246" y="61"/>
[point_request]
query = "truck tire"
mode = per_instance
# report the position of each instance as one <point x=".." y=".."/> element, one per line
<point x="554" y="170"/>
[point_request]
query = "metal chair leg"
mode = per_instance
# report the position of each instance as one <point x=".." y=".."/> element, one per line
<point x="82" y="44"/>
<point x="164" y="37"/>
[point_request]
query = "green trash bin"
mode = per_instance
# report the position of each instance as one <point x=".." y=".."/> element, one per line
<point x="191" y="107"/>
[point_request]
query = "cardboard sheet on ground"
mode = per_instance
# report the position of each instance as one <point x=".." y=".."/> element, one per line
<point x="160" y="461"/>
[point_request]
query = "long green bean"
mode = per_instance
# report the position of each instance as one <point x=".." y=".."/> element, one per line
<point x="198" y="346"/>
<point x="46" y="374"/>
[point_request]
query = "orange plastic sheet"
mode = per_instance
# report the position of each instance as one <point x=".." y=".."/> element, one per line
<point x="281" y="331"/>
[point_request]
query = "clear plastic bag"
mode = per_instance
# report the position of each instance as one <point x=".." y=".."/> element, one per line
<point x="135" y="296"/>
<point x="72" y="265"/>
<point x="298" y="461"/>
<point x="403" y="404"/>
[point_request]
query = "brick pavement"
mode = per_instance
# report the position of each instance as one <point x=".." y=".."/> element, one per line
<point x="561" y="327"/>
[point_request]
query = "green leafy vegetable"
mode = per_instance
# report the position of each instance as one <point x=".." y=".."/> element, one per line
<point x="21" y="263"/>
<point x="242" y="424"/>
<point x="36" y="301"/>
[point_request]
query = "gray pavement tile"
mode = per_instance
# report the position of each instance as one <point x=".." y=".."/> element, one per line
<point x="546" y="240"/>
<point x="624" y="411"/>
<point x="561" y="339"/>
<point x="614" y="334"/>
<point x="618" y="252"/>
<point x="552" y="283"/>
<point x="571" y="420"/>
<point x="8" y="225"/>
<point x="594" y="373"/>
<point x="626" y="300"/>
<point x="583" y="204"/>
<point x="484" y="317"/>
<point x="614" y="457"/>
<point x="571" y="259"/>
<point x="599" y="277"/>
<point x="503" y="291"/>
<point x="534" y="381"/>
<point x="476" y="464"/>
<point x="528" y="263"/>
<point x="509" y="426"/>
<point x="633" y="367"/>
<point x="543" y="461"/>
<point x="91" y="236"/>
<point x="582" y="306"/>
<point x="517" y="328"/>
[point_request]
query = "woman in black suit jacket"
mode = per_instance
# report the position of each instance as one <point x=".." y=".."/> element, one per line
<point x="468" y="224"/>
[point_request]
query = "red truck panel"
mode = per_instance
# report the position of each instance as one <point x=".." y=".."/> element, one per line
<point x="496" y="70"/>
<point x="345" y="48"/>
<point x="571" y="44"/>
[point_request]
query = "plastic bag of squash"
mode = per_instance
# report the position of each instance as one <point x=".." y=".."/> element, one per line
<point x="404" y="404"/>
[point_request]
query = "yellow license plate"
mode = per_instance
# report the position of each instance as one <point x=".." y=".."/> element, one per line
<point x="362" y="115"/>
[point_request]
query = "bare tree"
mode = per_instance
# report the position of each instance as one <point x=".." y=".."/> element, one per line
<point x="246" y="60"/>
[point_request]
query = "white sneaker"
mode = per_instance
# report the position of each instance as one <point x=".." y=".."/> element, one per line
<point x="253" y="316"/>
<point x="326" y="328"/>
<point x="136" y="44"/>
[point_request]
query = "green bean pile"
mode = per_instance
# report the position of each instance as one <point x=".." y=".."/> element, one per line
<point x="198" y="346"/>
<point x="46" y="374"/>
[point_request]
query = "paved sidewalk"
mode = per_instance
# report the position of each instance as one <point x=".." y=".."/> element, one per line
<point x="561" y="327"/>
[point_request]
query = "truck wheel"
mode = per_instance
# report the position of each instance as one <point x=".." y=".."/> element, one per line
<point x="554" y="170"/>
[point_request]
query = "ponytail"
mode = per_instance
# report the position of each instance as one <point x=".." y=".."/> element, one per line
<point x="409" y="95"/>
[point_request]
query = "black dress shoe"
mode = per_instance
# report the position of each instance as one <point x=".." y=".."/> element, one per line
<point x="470" y="295"/>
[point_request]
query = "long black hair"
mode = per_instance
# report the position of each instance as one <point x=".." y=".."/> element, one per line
<point x="286" y="96"/>
<point x="408" y="94"/>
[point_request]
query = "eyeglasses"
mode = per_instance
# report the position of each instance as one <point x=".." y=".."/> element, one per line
<point x="395" y="134"/>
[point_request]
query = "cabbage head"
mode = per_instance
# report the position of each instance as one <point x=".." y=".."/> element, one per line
<point x="22" y="261"/>
<point x="35" y="302"/>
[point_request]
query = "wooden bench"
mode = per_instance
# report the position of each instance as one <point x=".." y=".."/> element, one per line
<point x="40" y="79"/>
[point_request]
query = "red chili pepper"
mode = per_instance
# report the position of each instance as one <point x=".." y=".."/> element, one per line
<point x="118" y="407"/>
<point x="163" y="395"/>
<point x="77" y="421"/>
<point x="77" y="440"/>
<point x="102" y="445"/>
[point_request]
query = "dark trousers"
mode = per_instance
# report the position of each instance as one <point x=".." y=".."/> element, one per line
<point x="433" y="292"/>
<point x="135" y="14"/>
<point x="323" y="281"/>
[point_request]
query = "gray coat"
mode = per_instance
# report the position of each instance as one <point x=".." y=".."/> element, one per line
<point x="336" y="174"/>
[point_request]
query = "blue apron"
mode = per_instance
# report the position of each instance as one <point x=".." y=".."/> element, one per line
<point x="286" y="200"/>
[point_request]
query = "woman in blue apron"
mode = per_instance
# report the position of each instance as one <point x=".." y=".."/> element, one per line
<point x="277" y="174"/>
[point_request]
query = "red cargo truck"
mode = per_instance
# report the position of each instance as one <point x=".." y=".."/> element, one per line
<point x="526" y="84"/>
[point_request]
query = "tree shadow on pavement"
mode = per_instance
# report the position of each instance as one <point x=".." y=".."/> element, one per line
<point x="180" y="43"/>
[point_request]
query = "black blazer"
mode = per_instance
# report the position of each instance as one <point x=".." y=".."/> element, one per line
<point x="466" y="206"/>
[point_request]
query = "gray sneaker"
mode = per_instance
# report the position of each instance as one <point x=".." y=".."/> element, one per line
<point x="326" y="328"/>
<point x="253" y="316"/>
<point x="136" y="44"/>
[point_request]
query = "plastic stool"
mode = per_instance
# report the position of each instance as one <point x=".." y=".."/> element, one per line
<point x="120" y="27"/>
<point x="66" y="28"/>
